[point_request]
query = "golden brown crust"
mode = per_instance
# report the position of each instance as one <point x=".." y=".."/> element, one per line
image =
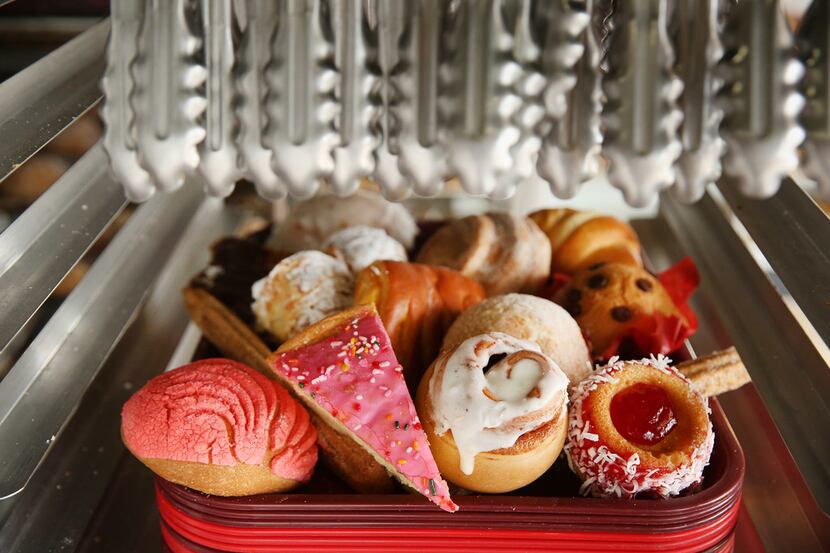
<point x="581" y="239"/>
<point x="226" y="481"/>
<point x="501" y="470"/>
<point x="504" y="252"/>
<point x="417" y="304"/>
<point x="716" y="373"/>
<point x="609" y="300"/>
<point x="237" y="341"/>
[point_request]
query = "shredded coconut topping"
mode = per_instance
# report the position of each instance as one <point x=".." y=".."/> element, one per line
<point x="604" y="472"/>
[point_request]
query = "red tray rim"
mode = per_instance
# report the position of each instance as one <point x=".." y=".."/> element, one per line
<point x="344" y="510"/>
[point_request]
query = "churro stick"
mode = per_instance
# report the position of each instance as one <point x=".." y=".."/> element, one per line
<point x="239" y="342"/>
<point x="716" y="373"/>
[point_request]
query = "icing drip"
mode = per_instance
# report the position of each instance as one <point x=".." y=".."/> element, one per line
<point x="486" y="412"/>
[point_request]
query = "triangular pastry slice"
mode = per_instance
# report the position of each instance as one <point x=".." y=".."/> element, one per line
<point x="344" y="369"/>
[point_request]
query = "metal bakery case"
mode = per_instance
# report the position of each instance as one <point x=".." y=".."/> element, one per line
<point x="706" y="123"/>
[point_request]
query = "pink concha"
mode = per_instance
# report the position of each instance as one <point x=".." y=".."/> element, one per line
<point x="217" y="411"/>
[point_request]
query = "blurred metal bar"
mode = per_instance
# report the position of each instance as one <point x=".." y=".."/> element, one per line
<point x="789" y="372"/>
<point x="80" y="475"/>
<point x="43" y="244"/>
<point x="40" y="101"/>
<point x="794" y="235"/>
<point x="45" y="385"/>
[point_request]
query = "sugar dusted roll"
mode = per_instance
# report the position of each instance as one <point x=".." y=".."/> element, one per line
<point x="299" y="291"/>
<point x="361" y="246"/>
<point x="495" y="411"/>
<point x="638" y="427"/>
<point x="221" y="428"/>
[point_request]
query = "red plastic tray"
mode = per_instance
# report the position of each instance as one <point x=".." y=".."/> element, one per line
<point x="546" y="515"/>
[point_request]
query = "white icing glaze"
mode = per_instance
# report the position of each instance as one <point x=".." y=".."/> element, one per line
<point x="487" y="412"/>
<point x="361" y="246"/>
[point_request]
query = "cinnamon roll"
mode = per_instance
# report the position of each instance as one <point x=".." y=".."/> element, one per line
<point x="495" y="411"/>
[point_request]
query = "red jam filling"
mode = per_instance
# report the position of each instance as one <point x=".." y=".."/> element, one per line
<point x="642" y="414"/>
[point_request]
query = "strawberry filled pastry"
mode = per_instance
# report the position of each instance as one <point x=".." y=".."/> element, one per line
<point x="344" y="369"/>
<point x="637" y="427"/>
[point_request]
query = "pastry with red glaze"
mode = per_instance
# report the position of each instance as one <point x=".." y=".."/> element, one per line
<point x="222" y="428"/>
<point x="343" y="368"/>
<point x="638" y="427"/>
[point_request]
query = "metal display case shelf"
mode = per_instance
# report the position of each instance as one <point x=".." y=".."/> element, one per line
<point x="66" y="482"/>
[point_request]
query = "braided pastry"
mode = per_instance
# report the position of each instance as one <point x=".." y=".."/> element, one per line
<point x="580" y="239"/>
<point x="504" y="252"/>
<point x="494" y="409"/>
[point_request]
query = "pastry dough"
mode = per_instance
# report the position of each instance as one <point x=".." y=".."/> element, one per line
<point x="299" y="291"/>
<point x="504" y="252"/>
<point x="417" y="304"/>
<point x="528" y="318"/>
<point x="580" y="239"/>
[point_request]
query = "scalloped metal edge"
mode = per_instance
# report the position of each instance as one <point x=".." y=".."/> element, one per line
<point x="166" y="118"/>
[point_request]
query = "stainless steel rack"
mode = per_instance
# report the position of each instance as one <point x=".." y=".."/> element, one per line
<point x="765" y="267"/>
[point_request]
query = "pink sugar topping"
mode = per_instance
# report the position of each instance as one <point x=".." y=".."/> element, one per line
<point x="355" y="376"/>
<point x="220" y="412"/>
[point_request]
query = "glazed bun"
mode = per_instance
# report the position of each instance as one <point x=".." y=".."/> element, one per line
<point x="580" y="239"/>
<point x="504" y="252"/>
<point x="221" y="428"/>
<point x="497" y="431"/>
<point x="528" y="318"/>
<point x="299" y="291"/>
<point x="361" y="246"/>
<point x="609" y="300"/>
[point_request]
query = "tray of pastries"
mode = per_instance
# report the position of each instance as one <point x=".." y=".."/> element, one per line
<point x="493" y="382"/>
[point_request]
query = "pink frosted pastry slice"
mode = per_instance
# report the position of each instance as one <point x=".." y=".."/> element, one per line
<point x="222" y="428"/>
<point x="345" y="370"/>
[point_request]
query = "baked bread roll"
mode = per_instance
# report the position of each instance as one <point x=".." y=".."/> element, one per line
<point x="312" y="221"/>
<point x="527" y="318"/>
<point x="30" y="180"/>
<point x="361" y="246"/>
<point x="638" y="427"/>
<point x="494" y="424"/>
<point x="580" y="239"/>
<point x="299" y="291"/>
<point x="417" y="304"/>
<point x="610" y="300"/>
<point x="344" y="369"/>
<point x="504" y="252"/>
<point x="221" y="428"/>
<point x="79" y="137"/>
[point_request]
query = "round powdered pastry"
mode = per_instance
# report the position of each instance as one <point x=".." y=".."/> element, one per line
<point x="361" y="246"/>
<point x="528" y="318"/>
<point x="311" y="222"/>
<point x="222" y="428"/>
<point x="299" y="291"/>
<point x="637" y="427"/>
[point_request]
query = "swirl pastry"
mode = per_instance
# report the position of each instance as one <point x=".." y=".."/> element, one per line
<point x="311" y="222"/>
<point x="504" y="252"/>
<point x="528" y="318"/>
<point x="222" y="428"/>
<point x="361" y="246"/>
<point x="417" y="304"/>
<point x="638" y="427"/>
<point x="610" y="301"/>
<point x="494" y="409"/>
<point x="580" y="239"/>
<point x="345" y="371"/>
<point x="299" y="291"/>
